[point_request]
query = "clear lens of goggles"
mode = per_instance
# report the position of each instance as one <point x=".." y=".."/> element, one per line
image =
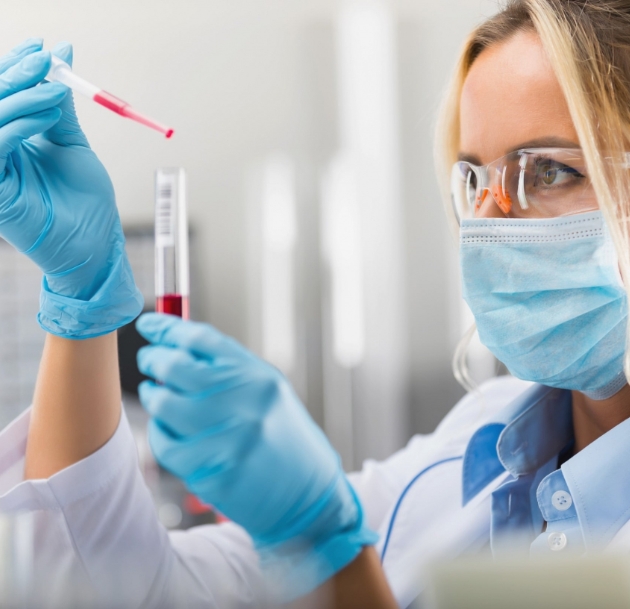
<point x="532" y="183"/>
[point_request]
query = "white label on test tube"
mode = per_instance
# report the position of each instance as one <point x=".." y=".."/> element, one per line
<point x="165" y="210"/>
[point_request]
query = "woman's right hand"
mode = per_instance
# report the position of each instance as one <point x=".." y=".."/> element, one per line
<point x="57" y="203"/>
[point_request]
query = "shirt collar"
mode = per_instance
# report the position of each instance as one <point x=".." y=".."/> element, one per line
<point x="598" y="478"/>
<point x="528" y="433"/>
<point x="524" y="436"/>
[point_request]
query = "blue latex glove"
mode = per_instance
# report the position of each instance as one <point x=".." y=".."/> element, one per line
<point x="231" y="427"/>
<point x="57" y="203"/>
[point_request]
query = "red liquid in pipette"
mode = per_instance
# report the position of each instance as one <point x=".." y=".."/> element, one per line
<point x="173" y="304"/>
<point x="117" y="105"/>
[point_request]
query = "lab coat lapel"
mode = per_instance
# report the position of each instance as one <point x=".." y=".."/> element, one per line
<point x="423" y="534"/>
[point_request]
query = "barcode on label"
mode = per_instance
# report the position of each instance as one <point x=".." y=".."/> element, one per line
<point x="165" y="200"/>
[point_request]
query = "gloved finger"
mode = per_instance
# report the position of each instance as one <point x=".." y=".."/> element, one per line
<point x="201" y="339"/>
<point x="64" y="51"/>
<point x="211" y="452"/>
<point x="28" y="72"/>
<point x="176" y="368"/>
<point x="31" y="101"/>
<point x="67" y="132"/>
<point x="186" y="414"/>
<point x="13" y="133"/>
<point x="30" y="45"/>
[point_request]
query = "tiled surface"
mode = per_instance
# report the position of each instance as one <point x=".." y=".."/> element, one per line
<point x="21" y="339"/>
<point x="21" y="342"/>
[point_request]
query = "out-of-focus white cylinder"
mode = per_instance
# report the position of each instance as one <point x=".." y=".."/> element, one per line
<point x="362" y="237"/>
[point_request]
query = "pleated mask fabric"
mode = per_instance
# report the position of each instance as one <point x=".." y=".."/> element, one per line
<point x="548" y="299"/>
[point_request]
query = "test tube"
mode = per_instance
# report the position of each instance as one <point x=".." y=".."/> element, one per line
<point x="171" y="243"/>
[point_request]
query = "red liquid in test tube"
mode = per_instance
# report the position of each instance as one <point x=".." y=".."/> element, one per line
<point x="171" y="243"/>
<point x="173" y="304"/>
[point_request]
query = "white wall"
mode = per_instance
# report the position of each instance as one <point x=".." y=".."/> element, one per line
<point x="233" y="78"/>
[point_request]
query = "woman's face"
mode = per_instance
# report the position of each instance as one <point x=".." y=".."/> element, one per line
<point x="511" y="100"/>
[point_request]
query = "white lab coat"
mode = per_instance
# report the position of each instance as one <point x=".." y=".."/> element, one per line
<point x="96" y="524"/>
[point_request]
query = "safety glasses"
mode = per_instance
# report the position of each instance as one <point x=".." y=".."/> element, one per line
<point x="528" y="183"/>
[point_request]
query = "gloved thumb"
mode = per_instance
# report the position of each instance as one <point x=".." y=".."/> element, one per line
<point x="67" y="132"/>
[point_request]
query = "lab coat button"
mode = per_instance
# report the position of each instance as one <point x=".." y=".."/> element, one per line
<point x="561" y="500"/>
<point x="557" y="541"/>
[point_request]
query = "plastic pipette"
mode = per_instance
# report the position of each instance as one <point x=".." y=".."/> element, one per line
<point x="61" y="72"/>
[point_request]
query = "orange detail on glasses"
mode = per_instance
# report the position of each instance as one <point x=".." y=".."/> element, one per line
<point x="503" y="199"/>
<point x="481" y="197"/>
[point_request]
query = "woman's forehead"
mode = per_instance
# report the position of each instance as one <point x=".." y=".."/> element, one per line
<point x="511" y="97"/>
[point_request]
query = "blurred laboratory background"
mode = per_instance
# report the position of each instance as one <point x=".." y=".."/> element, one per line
<point x="317" y="230"/>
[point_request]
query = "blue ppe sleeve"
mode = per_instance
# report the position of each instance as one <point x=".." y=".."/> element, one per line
<point x="116" y="303"/>
<point x="295" y="568"/>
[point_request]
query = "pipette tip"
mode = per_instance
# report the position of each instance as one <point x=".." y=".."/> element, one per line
<point x="121" y="107"/>
<point x="129" y="112"/>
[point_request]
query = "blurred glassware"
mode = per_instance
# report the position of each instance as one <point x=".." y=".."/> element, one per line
<point x="16" y="559"/>
<point x="570" y="582"/>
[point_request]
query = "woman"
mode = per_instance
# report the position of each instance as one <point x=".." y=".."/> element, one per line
<point x="533" y="143"/>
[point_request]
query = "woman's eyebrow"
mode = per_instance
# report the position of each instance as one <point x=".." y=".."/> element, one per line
<point x="468" y="158"/>
<point x="545" y="142"/>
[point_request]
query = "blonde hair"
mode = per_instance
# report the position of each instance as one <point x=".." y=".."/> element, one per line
<point x="588" y="44"/>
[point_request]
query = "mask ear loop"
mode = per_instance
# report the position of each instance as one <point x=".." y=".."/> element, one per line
<point x="522" y="199"/>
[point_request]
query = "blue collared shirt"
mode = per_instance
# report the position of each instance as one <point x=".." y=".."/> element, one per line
<point x="585" y="502"/>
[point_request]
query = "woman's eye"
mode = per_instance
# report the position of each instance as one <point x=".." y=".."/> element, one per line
<point x="553" y="173"/>
<point x="548" y="174"/>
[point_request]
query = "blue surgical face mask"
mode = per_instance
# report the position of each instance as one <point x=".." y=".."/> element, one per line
<point x="548" y="299"/>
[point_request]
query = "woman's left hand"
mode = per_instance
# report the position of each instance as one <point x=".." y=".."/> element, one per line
<point x="231" y="426"/>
